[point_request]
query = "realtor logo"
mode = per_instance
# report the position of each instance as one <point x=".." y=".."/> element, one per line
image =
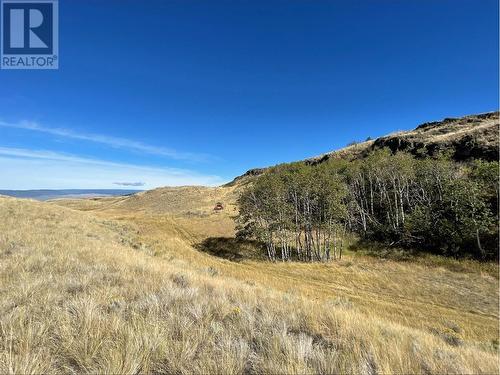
<point x="29" y="37"/>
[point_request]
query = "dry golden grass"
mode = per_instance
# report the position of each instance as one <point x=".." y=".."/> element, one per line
<point x="189" y="201"/>
<point x="119" y="291"/>
<point x="428" y="297"/>
<point x="431" y="294"/>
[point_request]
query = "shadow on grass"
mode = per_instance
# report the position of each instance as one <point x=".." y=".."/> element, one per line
<point x="387" y="252"/>
<point x="383" y="251"/>
<point x="233" y="249"/>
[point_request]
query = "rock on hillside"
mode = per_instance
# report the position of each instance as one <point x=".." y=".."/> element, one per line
<point x="468" y="137"/>
<point x="241" y="180"/>
<point x="474" y="136"/>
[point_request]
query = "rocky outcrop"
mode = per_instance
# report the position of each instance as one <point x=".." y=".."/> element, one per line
<point x="464" y="138"/>
<point x="470" y="137"/>
<point x="247" y="176"/>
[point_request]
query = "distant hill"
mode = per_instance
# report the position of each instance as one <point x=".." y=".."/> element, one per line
<point x="46" y="194"/>
<point x="465" y="138"/>
<point x="193" y="208"/>
<point x="469" y="137"/>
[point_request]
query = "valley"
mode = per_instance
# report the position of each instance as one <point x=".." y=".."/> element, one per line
<point x="424" y="295"/>
<point x="157" y="282"/>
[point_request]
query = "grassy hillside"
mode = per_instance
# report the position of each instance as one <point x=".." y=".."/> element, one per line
<point x="454" y="301"/>
<point x="191" y="208"/>
<point x="80" y="293"/>
<point x="157" y="283"/>
<point x="474" y="136"/>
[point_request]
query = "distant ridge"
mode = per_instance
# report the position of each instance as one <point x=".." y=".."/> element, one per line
<point x="46" y="194"/>
<point x="468" y="137"/>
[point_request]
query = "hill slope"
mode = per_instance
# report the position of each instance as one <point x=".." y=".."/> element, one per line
<point x="155" y="282"/>
<point x="192" y="208"/>
<point x="79" y="294"/>
<point x="474" y="136"/>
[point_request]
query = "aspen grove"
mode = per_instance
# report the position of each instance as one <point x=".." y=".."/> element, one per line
<point x="303" y="212"/>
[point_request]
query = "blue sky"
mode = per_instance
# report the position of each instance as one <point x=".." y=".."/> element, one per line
<point x="197" y="92"/>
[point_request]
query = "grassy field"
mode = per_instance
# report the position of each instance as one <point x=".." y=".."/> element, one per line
<point x="429" y="293"/>
<point x="156" y="283"/>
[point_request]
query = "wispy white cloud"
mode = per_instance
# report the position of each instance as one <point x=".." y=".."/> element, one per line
<point x="115" y="142"/>
<point x="129" y="183"/>
<point x="44" y="169"/>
